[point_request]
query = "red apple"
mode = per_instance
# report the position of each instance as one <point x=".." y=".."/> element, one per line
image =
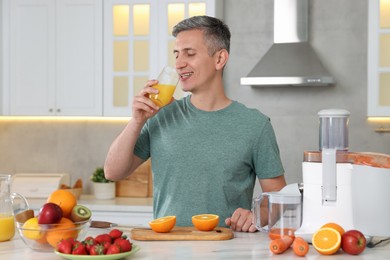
<point x="50" y="213"/>
<point x="353" y="242"/>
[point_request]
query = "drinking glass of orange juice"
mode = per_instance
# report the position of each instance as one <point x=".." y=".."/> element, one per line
<point x="167" y="81"/>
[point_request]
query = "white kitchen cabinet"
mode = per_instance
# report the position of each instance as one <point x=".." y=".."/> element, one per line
<point x="53" y="57"/>
<point x="379" y="58"/>
<point x="138" y="44"/>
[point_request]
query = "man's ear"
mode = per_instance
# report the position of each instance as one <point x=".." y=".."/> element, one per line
<point x="221" y="59"/>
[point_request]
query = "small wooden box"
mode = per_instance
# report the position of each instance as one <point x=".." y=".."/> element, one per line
<point x="138" y="184"/>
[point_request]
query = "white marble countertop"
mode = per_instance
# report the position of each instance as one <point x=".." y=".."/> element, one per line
<point x="242" y="246"/>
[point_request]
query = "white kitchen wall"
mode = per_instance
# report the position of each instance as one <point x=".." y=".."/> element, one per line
<point x="338" y="32"/>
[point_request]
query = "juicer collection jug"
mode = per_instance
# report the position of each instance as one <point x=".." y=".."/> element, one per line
<point x="284" y="213"/>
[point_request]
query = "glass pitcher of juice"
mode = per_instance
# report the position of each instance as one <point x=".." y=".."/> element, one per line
<point x="7" y="222"/>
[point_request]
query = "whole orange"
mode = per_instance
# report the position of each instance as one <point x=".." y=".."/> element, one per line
<point x="65" y="199"/>
<point x="336" y="226"/>
<point x="63" y="230"/>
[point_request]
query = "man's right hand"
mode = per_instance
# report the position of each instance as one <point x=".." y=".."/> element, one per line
<point x="143" y="107"/>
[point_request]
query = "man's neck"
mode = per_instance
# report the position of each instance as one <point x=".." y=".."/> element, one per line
<point x="210" y="101"/>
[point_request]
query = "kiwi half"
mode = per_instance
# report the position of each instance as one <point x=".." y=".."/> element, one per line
<point x="80" y="213"/>
<point x="24" y="215"/>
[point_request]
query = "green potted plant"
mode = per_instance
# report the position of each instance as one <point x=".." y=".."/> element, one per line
<point x="102" y="187"/>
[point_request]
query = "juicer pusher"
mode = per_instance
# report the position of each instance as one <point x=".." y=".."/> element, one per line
<point x="333" y="138"/>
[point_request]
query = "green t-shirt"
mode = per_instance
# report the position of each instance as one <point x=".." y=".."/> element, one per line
<point x="207" y="162"/>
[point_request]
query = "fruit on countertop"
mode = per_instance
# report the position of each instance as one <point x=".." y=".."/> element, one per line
<point x="326" y="240"/>
<point x="163" y="225"/>
<point x="336" y="226"/>
<point x="80" y="213"/>
<point x="50" y="213"/>
<point x="205" y="222"/>
<point x="102" y="244"/>
<point x="353" y="242"/>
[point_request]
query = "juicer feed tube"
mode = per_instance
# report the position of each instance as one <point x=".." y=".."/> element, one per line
<point x="329" y="178"/>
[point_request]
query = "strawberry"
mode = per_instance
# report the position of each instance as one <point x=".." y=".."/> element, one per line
<point x="97" y="249"/>
<point x="113" y="249"/>
<point x="115" y="233"/>
<point x="123" y="244"/>
<point x="71" y="240"/>
<point x="78" y="249"/>
<point x="89" y="242"/>
<point x="106" y="245"/>
<point x="103" y="238"/>
<point x="64" y="246"/>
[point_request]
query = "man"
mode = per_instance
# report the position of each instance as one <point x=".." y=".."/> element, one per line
<point x="206" y="149"/>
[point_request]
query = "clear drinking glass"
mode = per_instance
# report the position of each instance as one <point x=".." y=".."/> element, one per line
<point x="167" y="82"/>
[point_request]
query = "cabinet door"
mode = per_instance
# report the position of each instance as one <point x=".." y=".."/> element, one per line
<point x="56" y="57"/>
<point x="32" y="56"/>
<point x="379" y="58"/>
<point x="79" y="38"/>
<point x="130" y="53"/>
<point x="138" y="44"/>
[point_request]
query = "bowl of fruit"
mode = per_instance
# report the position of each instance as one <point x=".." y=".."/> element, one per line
<point x="58" y="219"/>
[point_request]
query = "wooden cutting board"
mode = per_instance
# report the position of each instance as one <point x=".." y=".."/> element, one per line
<point x="182" y="233"/>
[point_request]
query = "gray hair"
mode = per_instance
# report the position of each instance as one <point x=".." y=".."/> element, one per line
<point x="215" y="32"/>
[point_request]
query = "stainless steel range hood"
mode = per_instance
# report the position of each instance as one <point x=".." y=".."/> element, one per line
<point x="291" y="60"/>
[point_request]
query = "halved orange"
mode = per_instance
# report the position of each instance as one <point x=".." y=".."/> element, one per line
<point x="336" y="226"/>
<point x="205" y="222"/>
<point x="326" y="241"/>
<point x="163" y="225"/>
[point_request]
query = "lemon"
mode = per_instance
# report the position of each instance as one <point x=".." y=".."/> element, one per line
<point x="32" y="230"/>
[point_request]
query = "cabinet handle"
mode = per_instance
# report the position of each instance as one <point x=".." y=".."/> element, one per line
<point x="50" y="110"/>
<point x="58" y="110"/>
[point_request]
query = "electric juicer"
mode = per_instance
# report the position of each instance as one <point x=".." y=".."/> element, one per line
<point x="350" y="189"/>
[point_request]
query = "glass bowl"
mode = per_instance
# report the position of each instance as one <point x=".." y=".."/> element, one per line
<point x="44" y="237"/>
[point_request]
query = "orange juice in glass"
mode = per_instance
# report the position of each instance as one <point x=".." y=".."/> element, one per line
<point x="7" y="227"/>
<point x="167" y="81"/>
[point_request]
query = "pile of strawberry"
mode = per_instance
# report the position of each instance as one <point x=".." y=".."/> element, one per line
<point x="113" y="242"/>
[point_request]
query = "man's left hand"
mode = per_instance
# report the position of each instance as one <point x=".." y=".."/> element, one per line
<point x="241" y="221"/>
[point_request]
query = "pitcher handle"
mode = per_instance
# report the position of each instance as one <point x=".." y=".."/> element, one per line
<point x="256" y="220"/>
<point x="20" y="208"/>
